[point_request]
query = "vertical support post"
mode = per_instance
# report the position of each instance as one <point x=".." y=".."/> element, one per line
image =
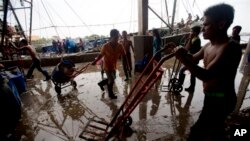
<point x="245" y="80"/>
<point x="142" y="17"/>
<point x="5" y="5"/>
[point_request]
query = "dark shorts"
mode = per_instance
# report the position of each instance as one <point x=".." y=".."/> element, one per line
<point x="216" y="108"/>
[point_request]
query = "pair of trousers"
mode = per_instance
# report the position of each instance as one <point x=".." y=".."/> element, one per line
<point x="127" y="64"/>
<point x="36" y="64"/>
<point x="111" y="75"/>
<point x="210" y="124"/>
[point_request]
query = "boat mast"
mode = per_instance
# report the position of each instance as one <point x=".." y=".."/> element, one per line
<point x="167" y="11"/>
<point x="174" y="9"/>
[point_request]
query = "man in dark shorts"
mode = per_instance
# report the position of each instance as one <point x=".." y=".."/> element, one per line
<point x="221" y="59"/>
<point x="126" y="59"/>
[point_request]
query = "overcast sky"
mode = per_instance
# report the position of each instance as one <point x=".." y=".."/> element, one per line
<point x="79" y="18"/>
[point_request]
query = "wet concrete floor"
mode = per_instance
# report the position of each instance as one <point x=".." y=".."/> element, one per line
<point x="161" y="116"/>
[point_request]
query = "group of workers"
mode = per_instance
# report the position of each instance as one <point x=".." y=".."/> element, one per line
<point x="221" y="59"/>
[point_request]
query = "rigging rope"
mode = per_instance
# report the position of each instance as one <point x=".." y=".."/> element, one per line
<point x="190" y="8"/>
<point x="184" y="5"/>
<point x="49" y="18"/>
<point x="25" y="19"/>
<point x="131" y="11"/>
<point x="53" y="9"/>
<point x="78" y="16"/>
<point x="198" y="7"/>
<point x="74" y="26"/>
<point x="39" y="15"/>
<point x="41" y="22"/>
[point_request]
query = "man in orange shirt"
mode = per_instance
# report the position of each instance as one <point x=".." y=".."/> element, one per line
<point x="110" y="52"/>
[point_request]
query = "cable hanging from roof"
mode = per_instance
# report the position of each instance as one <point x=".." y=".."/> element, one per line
<point x="190" y="8"/>
<point x="184" y="5"/>
<point x="40" y="16"/>
<point x="131" y="11"/>
<point x="197" y="7"/>
<point x="78" y="16"/>
<point x="49" y="18"/>
<point x="57" y="14"/>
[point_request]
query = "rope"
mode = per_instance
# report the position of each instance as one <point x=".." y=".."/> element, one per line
<point x="120" y="13"/>
<point x="25" y="19"/>
<point x="54" y="11"/>
<point x="39" y="15"/>
<point x="41" y="22"/>
<point x="78" y="16"/>
<point x="131" y="11"/>
<point x="49" y="17"/>
<point x="190" y="8"/>
<point x="184" y="6"/>
<point x="197" y="7"/>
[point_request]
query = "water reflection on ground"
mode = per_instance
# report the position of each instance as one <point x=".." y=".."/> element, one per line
<point x="161" y="115"/>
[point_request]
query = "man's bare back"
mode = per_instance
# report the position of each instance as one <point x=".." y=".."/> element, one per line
<point x="32" y="51"/>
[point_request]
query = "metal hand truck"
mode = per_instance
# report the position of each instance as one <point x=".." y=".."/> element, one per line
<point x="97" y="130"/>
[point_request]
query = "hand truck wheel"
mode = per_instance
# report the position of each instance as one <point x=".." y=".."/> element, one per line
<point x="173" y="81"/>
<point x="58" y="90"/>
<point x="177" y="88"/>
<point x="128" y="121"/>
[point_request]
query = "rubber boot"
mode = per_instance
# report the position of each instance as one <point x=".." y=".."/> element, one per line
<point x="110" y="91"/>
<point x="46" y="74"/>
<point x="102" y="83"/>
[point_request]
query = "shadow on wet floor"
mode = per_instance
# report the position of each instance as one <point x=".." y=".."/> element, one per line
<point x="159" y="116"/>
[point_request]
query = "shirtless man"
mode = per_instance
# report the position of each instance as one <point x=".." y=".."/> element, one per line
<point x="36" y="63"/>
<point x="221" y="60"/>
<point x="126" y="59"/>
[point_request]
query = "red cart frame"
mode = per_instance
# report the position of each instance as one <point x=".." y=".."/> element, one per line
<point x="97" y="130"/>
